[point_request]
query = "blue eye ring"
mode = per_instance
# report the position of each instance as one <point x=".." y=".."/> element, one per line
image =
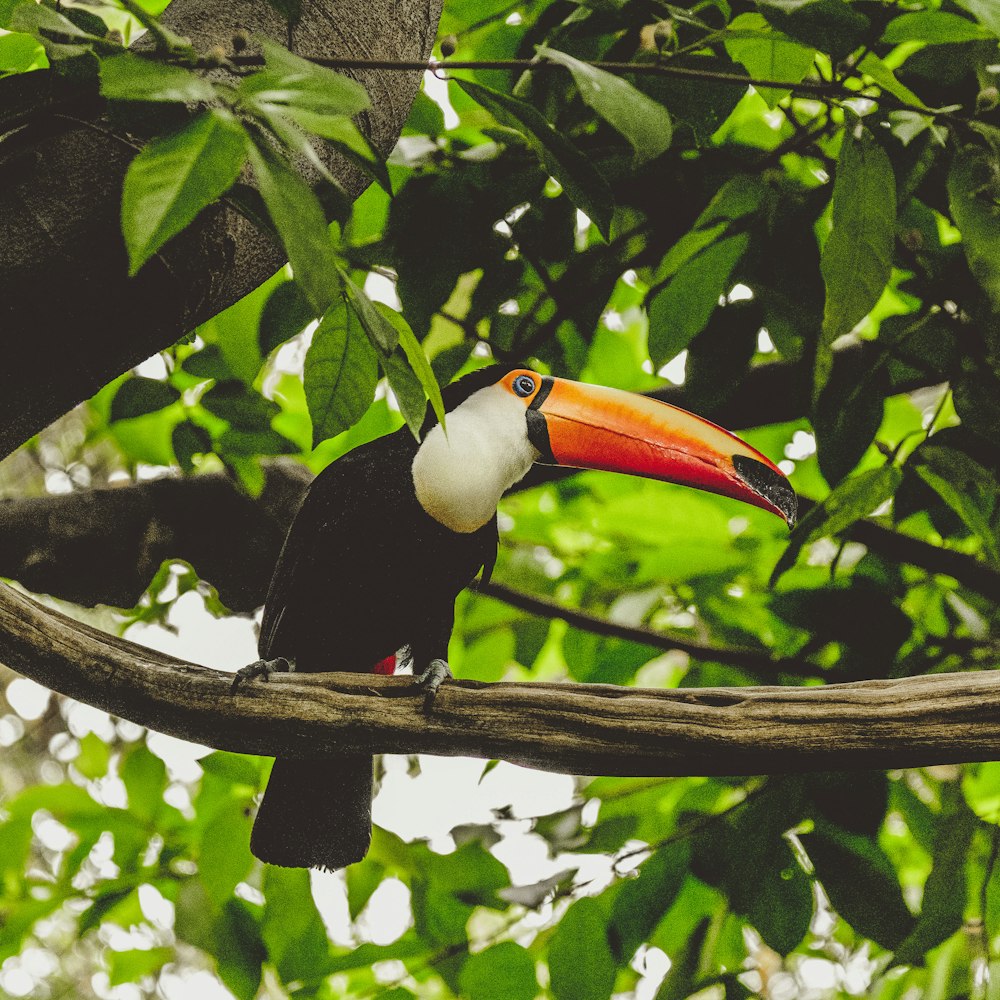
<point x="524" y="385"/>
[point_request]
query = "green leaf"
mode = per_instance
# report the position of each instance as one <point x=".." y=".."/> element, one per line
<point x="20" y="53"/>
<point x="504" y="972"/>
<point x="285" y="315"/>
<point x="767" y="54"/>
<point x="138" y="396"/>
<point x="943" y="907"/>
<point x="852" y="500"/>
<point x="861" y="883"/>
<point x="382" y="333"/>
<point x="128" y="77"/>
<point x="130" y="966"/>
<point x="682" y="308"/>
<point x="407" y="389"/>
<point x="641" y="120"/>
<point x="985" y="11"/>
<point x="344" y="135"/>
<point x="857" y="257"/>
<point x="174" y="178"/>
<point x="966" y="486"/>
<point x="291" y="82"/>
<point x="225" y="858"/>
<point x="341" y="372"/>
<point x="145" y="777"/>
<point x="641" y="902"/>
<point x="581" y="964"/>
<point x="974" y="195"/>
<point x="238" y="950"/>
<point x="584" y="186"/>
<point x="874" y="67"/>
<point x="935" y="26"/>
<point x="189" y="439"/>
<point x="298" y="217"/>
<point x="362" y="880"/>
<point x="292" y="928"/>
<point x="416" y="357"/>
<point x="94" y="757"/>
<point x="240" y="405"/>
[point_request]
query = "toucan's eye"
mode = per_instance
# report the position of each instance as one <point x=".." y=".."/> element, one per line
<point x="524" y="385"/>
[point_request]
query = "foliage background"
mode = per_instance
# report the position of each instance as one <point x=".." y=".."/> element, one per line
<point x="841" y="231"/>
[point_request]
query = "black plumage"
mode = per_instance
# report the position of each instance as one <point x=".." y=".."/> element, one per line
<point x="364" y="572"/>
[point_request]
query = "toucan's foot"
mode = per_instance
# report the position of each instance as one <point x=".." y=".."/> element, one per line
<point x="431" y="679"/>
<point x="260" y="668"/>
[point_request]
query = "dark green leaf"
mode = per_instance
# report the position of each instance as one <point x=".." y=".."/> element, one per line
<point x="682" y="308"/>
<point x="857" y="257"/>
<point x="407" y="389"/>
<point x="299" y="220"/>
<point x="861" y="883"/>
<point x="831" y="26"/>
<point x="641" y="120"/>
<point x="974" y="194"/>
<point x="943" y="908"/>
<point x="582" y="183"/>
<point x="242" y="406"/>
<point x="767" y="54"/>
<point x="138" y="396"/>
<point x="581" y="964"/>
<point x="286" y="314"/>
<point x="934" y="26"/>
<point x="966" y="486"/>
<point x="189" y="440"/>
<point x="852" y="500"/>
<point x="848" y="413"/>
<point x="416" y="358"/>
<point x="238" y="950"/>
<point x="641" y="902"/>
<point x="506" y="971"/>
<point x="129" y="77"/>
<point x="173" y="179"/>
<point x="341" y="372"/>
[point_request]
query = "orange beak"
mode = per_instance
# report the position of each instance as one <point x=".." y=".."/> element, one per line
<point x="592" y="427"/>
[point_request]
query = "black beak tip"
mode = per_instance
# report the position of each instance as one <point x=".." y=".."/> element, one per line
<point x="772" y="486"/>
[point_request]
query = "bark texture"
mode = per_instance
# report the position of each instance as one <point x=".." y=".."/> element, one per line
<point x="71" y="318"/>
<point x="577" y="728"/>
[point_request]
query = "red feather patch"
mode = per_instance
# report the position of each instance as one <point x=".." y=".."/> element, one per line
<point x="386" y="666"/>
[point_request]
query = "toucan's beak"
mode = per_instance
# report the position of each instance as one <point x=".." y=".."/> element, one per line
<point x="592" y="427"/>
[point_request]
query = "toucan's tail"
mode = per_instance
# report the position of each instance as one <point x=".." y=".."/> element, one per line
<point x="316" y="813"/>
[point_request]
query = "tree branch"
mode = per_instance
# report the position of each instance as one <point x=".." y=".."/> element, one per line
<point x="756" y="661"/>
<point x="581" y="728"/>
<point x="63" y="268"/>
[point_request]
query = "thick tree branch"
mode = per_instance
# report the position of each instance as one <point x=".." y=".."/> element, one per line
<point x="72" y="317"/>
<point x="586" y="729"/>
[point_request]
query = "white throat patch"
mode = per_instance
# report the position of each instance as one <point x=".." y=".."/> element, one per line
<point x="459" y="479"/>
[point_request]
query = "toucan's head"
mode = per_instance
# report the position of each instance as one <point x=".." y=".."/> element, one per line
<point x="500" y="420"/>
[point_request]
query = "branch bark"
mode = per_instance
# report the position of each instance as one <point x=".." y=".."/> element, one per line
<point x="585" y="728"/>
<point x="73" y="319"/>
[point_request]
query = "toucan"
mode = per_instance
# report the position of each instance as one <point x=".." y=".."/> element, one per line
<point x="389" y="534"/>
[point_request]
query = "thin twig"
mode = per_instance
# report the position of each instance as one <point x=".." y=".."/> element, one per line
<point x="746" y="659"/>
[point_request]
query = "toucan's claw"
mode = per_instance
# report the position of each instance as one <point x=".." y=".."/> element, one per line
<point x="260" y="668"/>
<point x="431" y="679"/>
